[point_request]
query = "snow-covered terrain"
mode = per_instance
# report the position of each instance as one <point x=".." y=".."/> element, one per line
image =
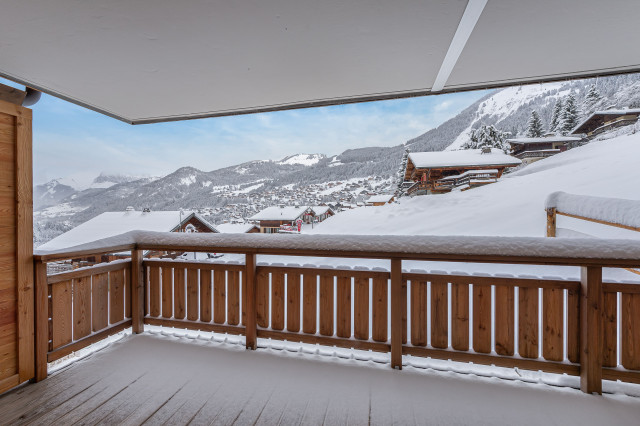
<point x="304" y="159"/>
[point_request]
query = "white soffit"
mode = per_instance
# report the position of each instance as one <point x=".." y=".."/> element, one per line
<point x="150" y="60"/>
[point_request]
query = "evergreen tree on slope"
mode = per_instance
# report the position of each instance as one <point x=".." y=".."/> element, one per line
<point x="555" y="115"/>
<point x="569" y="117"/>
<point x="534" y="127"/>
<point x="488" y="136"/>
<point x="401" y="172"/>
<point x="591" y="100"/>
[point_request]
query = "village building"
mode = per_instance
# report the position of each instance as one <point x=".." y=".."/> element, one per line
<point x="380" y="200"/>
<point x="534" y="149"/>
<point x="272" y="219"/>
<point x="601" y="121"/>
<point x="320" y="213"/>
<point x="238" y="228"/>
<point x="441" y="172"/>
<point x="110" y="224"/>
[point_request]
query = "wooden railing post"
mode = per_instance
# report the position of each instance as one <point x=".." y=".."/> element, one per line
<point x="591" y="326"/>
<point x="396" y="313"/>
<point x="137" y="291"/>
<point x="551" y="222"/>
<point x="251" y="317"/>
<point x="41" y="320"/>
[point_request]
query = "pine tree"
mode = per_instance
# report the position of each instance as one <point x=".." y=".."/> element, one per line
<point x="401" y="172"/>
<point x="488" y="136"/>
<point x="590" y="100"/>
<point x="555" y="115"/>
<point x="569" y="116"/>
<point x="534" y="127"/>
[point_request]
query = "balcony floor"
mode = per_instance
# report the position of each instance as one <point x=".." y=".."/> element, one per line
<point x="156" y="379"/>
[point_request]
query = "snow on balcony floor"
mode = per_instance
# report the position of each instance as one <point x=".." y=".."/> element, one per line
<point x="158" y="378"/>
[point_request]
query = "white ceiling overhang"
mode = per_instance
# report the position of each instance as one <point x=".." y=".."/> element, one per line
<point x="148" y="60"/>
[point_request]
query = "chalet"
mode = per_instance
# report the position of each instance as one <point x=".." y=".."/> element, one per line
<point x="601" y="121"/>
<point x="429" y="170"/>
<point x="237" y="228"/>
<point x="273" y="218"/>
<point x="380" y="200"/>
<point x="109" y="224"/>
<point x="534" y="149"/>
<point x="320" y="213"/>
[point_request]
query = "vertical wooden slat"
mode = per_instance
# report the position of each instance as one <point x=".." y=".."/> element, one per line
<point x="361" y="308"/>
<point x="233" y="297"/>
<point x="310" y="303"/>
<point x="403" y="306"/>
<point x="460" y="316"/>
<point x="482" y="318"/>
<point x="205" y="295"/>
<point x="591" y="330"/>
<point x="116" y="296"/>
<point x="573" y="325"/>
<point x="610" y="330"/>
<point x="552" y="324"/>
<point x="262" y="298"/>
<point x="167" y="292"/>
<point x="293" y="302"/>
<point x="249" y="296"/>
<point x="396" y="313"/>
<point x="418" y="313"/>
<point x="50" y="319"/>
<point x="379" y="307"/>
<point x="504" y="320"/>
<point x="343" y="308"/>
<point x="439" y="314"/>
<point x="81" y="307"/>
<point x="630" y="332"/>
<point x="219" y="296"/>
<point x="41" y="319"/>
<point x="277" y="301"/>
<point x="551" y="222"/>
<point x="154" y="291"/>
<point x="99" y="302"/>
<point x="179" y="293"/>
<point x="528" y="322"/>
<point x="127" y="293"/>
<point x="326" y="304"/>
<point x="193" y="310"/>
<point x="137" y="291"/>
<point x="61" y="313"/>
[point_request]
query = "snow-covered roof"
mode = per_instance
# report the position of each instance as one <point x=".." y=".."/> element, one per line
<point x="320" y="210"/>
<point x="235" y="228"/>
<point x="280" y="213"/>
<point x="114" y="223"/>
<point x="545" y="139"/>
<point x="612" y="210"/>
<point x="462" y="158"/>
<point x="633" y="111"/>
<point x="382" y="198"/>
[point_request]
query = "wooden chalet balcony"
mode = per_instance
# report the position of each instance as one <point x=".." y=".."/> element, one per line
<point x="542" y="153"/>
<point x="539" y="324"/>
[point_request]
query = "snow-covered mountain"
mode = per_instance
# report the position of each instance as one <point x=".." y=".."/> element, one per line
<point x="509" y="109"/>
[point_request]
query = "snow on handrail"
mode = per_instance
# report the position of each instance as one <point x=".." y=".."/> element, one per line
<point x="611" y="210"/>
<point x="531" y="250"/>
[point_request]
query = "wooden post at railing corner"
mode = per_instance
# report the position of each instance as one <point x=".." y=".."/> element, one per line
<point x="591" y="329"/>
<point x="137" y="291"/>
<point x="396" y="313"/>
<point x="551" y="222"/>
<point x="251" y="316"/>
<point x="41" y="320"/>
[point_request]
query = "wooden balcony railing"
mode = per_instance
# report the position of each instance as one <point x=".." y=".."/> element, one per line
<point x="551" y="325"/>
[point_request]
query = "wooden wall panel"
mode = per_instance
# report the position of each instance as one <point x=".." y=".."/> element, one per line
<point x="482" y="318"/>
<point x="528" y="322"/>
<point x="505" y="321"/>
<point x="418" y="313"/>
<point x="309" y="303"/>
<point x="293" y="302"/>
<point x="439" y="314"/>
<point x="460" y="316"/>
<point x="361" y="308"/>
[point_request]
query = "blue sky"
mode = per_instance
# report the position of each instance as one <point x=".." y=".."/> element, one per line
<point x="73" y="142"/>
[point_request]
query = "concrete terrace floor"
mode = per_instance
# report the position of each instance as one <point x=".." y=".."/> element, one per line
<point x="157" y="379"/>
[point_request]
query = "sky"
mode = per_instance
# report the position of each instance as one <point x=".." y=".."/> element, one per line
<point x="78" y="144"/>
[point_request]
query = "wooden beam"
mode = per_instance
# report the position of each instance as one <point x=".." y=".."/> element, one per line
<point x="591" y="327"/>
<point x="11" y="94"/>
<point x="137" y="292"/>
<point x="602" y="222"/>
<point x="251" y="317"/>
<point x="551" y="222"/>
<point x="396" y="313"/>
<point x="41" y="321"/>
